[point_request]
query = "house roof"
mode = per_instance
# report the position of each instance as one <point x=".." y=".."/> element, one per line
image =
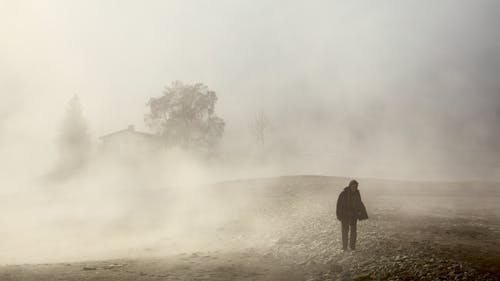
<point x="129" y="130"/>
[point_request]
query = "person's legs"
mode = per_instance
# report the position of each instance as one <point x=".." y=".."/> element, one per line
<point x="345" y="231"/>
<point x="352" y="240"/>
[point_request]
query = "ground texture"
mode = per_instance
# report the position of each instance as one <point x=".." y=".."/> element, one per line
<point x="416" y="231"/>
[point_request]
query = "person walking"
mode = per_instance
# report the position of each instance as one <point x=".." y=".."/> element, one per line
<point x="350" y="209"/>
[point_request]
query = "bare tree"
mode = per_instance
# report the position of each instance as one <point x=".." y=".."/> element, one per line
<point x="260" y="127"/>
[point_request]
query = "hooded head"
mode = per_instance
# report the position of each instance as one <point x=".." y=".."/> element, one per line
<point x="353" y="185"/>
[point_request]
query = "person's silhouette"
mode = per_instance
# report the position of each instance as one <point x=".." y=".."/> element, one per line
<point x="350" y="209"/>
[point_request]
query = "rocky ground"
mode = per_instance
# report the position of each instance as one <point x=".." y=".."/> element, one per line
<point x="391" y="249"/>
<point x="414" y="235"/>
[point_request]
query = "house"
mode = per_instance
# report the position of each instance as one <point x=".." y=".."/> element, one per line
<point x="130" y="141"/>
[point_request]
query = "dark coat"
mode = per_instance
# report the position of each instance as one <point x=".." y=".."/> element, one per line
<point x="350" y="206"/>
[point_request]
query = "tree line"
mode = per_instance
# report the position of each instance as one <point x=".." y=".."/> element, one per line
<point x="184" y="115"/>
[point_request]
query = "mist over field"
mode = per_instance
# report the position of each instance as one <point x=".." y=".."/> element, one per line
<point x="399" y="90"/>
<point x="402" y="91"/>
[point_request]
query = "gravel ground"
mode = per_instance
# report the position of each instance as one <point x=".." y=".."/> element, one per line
<point x="415" y="237"/>
<point x="383" y="254"/>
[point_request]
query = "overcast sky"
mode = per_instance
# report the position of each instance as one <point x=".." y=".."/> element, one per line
<point x="400" y="80"/>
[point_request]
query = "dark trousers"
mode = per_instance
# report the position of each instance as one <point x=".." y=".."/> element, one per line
<point x="346" y="225"/>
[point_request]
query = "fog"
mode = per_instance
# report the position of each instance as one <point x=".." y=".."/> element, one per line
<point x="400" y="90"/>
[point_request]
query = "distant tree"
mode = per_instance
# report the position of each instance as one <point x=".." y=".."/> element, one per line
<point x="185" y="116"/>
<point x="74" y="139"/>
<point x="259" y="127"/>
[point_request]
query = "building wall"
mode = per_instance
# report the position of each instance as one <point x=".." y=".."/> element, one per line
<point x="127" y="142"/>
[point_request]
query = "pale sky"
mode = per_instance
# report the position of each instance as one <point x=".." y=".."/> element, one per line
<point x="401" y="80"/>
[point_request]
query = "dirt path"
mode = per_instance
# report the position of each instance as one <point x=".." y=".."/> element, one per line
<point x="197" y="266"/>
